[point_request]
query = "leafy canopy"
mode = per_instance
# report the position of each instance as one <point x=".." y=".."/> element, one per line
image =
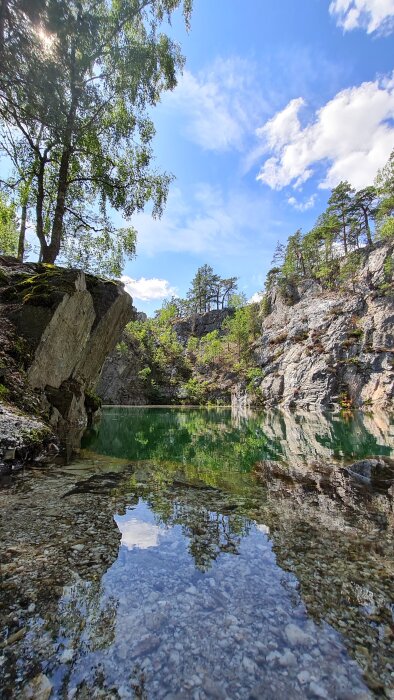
<point x="81" y="78"/>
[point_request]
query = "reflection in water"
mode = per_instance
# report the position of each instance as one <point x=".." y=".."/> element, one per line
<point x="200" y="570"/>
<point x="221" y="439"/>
<point x="137" y="533"/>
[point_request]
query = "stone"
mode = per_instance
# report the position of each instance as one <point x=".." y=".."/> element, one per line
<point x="288" y="659"/>
<point x="39" y="688"/>
<point x="296" y="636"/>
<point x="304" y="677"/>
<point x="249" y="665"/>
<point x="316" y="359"/>
<point x="78" y="547"/>
<point x="317" y="690"/>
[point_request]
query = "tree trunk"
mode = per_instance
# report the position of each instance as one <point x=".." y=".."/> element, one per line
<point x="52" y="250"/>
<point x="22" y="233"/>
<point x="344" y="234"/>
<point x="39" y="208"/>
<point x="367" y="229"/>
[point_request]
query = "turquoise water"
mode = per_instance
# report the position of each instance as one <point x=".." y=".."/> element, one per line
<point x="198" y="553"/>
<point x="219" y="439"/>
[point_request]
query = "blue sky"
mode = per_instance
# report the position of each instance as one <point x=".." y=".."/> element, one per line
<point x="279" y="101"/>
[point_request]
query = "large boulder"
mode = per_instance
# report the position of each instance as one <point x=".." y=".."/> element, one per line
<point x="66" y="323"/>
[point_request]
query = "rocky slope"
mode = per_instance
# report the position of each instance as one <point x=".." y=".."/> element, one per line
<point x="57" y="328"/>
<point x="322" y="348"/>
<point x="316" y="348"/>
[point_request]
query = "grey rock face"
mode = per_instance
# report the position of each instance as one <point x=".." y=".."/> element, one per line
<point x="328" y="347"/>
<point x="119" y="382"/>
<point x="198" y="325"/>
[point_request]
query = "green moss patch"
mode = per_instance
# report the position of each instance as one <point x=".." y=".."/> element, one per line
<point x="45" y="288"/>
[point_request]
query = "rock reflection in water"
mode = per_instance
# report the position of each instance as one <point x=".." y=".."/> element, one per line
<point x="194" y="579"/>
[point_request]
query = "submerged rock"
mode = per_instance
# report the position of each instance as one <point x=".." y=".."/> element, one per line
<point x="377" y="471"/>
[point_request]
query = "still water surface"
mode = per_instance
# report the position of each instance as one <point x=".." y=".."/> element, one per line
<point x="174" y="561"/>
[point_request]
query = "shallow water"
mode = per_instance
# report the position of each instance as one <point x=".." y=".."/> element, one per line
<point x="168" y="563"/>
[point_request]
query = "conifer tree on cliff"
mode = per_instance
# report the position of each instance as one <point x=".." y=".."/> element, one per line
<point x="76" y="81"/>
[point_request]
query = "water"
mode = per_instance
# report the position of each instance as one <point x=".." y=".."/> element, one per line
<point x="199" y="554"/>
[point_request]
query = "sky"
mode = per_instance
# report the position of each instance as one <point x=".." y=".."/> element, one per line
<point x="278" y="102"/>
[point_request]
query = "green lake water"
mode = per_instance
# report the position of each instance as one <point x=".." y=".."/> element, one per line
<point x="201" y="553"/>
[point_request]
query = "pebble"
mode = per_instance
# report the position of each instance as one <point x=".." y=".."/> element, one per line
<point x="317" y="691"/>
<point x="249" y="665"/>
<point x="288" y="659"/>
<point x="296" y="636"/>
<point x="303" y="677"/>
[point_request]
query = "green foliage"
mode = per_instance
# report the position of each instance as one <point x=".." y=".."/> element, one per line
<point x="387" y="286"/>
<point x="100" y="253"/>
<point x="349" y="270"/>
<point x="196" y="390"/>
<point x="237" y="330"/>
<point x="386" y="228"/>
<point x="253" y="376"/>
<point x="3" y="392"/>
<point x="122" y="347"/>
<point x="328" y="252"/>
<point x="145" y="373"/>
<point x="210" y="347"/>
<point x="8" y="227"/>
<point x="265" y="306"/>
<point x="208" y="291"/>
<point x="75" y="101"/>
<point x="384" y="184"/>
<point x="192" y="345"/>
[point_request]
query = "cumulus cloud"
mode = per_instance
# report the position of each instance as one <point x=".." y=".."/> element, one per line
<point x="220" y="104"/>
<point x="207" y="221"/>
<point x="255" y="298"/>
<point x="350" y="137"/>
<point x="148" y="289"/>
<point x="371" y="15"/>
<point x="302" y="206"/>
<point x="137" y="534"/>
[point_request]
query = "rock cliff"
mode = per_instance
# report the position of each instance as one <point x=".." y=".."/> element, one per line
<point x="198" y="325"/>
<point x="322" y="348"/>
<point x="122" y="380"/>
<point x="314" y="348"/>
<point x="58" y="326"/>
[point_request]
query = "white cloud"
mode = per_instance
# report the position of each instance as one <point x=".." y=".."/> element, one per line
<point x="371" y="15"/>
<point x="351" y="137"/>
<point x="137" y="534"/>
<point x="221" y="104"/>
<point x="302" y="206"/>
<point x="210" y="223"/>
<point x="255" y="298"/>
<point x="148" y="289"/>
